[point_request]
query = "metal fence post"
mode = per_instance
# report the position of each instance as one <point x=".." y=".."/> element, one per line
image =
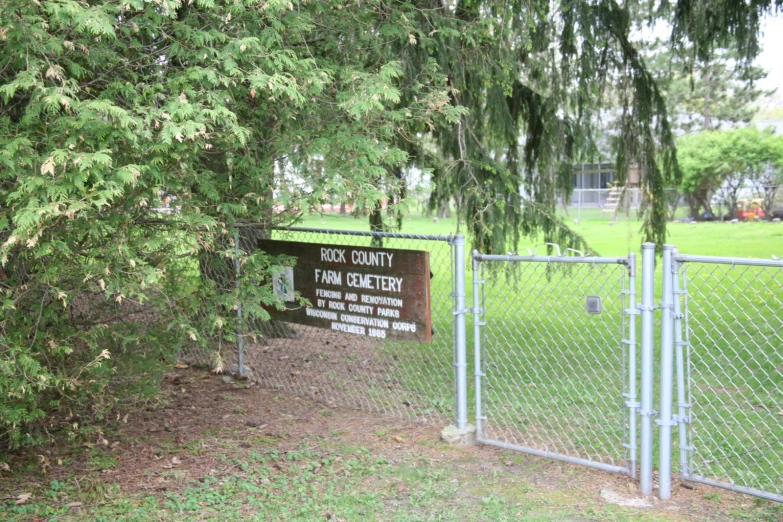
<point x="631" y="403"/>
<point x="460" y="355"/>
<point x="646" y="453"/>
<point x="682" y="404"/>
<point x="240" y="337"/>
<point x="477" y="324"/>
<point x="667" y="355"/>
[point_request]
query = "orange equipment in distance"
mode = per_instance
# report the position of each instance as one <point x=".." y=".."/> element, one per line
<point x="750" y="210"/>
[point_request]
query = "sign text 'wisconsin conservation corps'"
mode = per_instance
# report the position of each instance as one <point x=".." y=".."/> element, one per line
<point x="376" y="292"/>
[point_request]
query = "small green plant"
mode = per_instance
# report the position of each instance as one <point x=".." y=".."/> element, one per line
<point x="101" y="460"/>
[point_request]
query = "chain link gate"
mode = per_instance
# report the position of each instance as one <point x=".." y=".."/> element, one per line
<point x="555" y="357"/>
<point x="728" y="342"/>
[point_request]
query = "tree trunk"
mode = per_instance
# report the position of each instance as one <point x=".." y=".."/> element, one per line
<point x="693" y="206"/>
<point x="377" y="225"/>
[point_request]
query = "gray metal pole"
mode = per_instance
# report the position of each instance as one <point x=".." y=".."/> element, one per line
<point x="240" y="337"/>
<point x="477" y="324"/>
<point x="631" y="403"/>
<point x="460" y="349"/>
<point x="646" y="450"/>
<point x="667" y="355"/>
<point x="682" y="404"/>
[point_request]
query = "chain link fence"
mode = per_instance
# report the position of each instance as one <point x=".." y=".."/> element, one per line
<point x="729" y="343"/>
<point x="397" y="378"/>
<point x="552" y="358"/>
<point x="556" y="363"/>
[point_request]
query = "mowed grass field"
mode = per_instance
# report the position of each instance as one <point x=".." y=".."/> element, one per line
<point x="555" y="375"/>
<point x="757" y="239"/>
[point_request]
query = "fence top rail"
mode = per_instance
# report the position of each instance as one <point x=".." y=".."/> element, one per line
<point x="553" y="259"/>
<point x="744" y="261"/>
<point x="392" y="235"/>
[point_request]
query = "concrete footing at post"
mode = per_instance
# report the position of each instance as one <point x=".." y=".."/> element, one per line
<point x="457" y="437"/>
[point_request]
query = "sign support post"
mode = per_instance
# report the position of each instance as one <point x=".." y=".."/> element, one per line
<point x="240" y="330"/>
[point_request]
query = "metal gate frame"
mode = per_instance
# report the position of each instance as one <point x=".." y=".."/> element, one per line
<point x="676" y="338"/>
<point x="629" y="370"/>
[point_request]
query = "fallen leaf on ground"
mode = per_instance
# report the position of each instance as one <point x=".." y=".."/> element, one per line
<point x="176" y="461"/>
<point x="74" y="504"/>
<point x="5" y="467"/>
<point x="181" y="364"/>
<point x="23" y="498"/>
<point x="399" y="439"/>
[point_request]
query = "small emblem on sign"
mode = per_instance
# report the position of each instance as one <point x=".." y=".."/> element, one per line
<point x="283" y="284"/>
<point x="593" y="304"/>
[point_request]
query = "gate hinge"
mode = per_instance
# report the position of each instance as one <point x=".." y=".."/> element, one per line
<point x="685" y="419"/>
<point x="632" y="311"/>
<point x="651" y="413"/>
<point x="645" y="308"/>
<point x="661" y="422"/>
<point x="630" y="404"/>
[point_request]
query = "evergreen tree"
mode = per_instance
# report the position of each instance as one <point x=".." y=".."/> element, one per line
<point x="717" y="93"/>
<point x="110" y="109"/>
<point x="535" y="78"/>
<point x="225" y="109"/>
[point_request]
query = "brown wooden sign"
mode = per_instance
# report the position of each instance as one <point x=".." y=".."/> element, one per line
<point x="375" y="292"/>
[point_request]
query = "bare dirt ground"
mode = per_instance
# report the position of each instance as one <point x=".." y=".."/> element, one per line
<point x="207" y="425"/>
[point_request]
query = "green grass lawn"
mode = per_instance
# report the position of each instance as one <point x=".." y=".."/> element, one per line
<point x="757" y="239"/>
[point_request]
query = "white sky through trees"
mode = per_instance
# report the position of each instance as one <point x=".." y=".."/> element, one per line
<point x="770" y="57"/>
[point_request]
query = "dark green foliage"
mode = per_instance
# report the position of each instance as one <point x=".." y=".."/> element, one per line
<point x="111" y="110"/>
<point x="221" y="110"/>
<point x="534" y="82"/>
